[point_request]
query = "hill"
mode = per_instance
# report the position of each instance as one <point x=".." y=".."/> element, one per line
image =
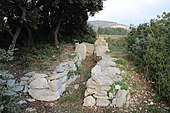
<point x="105" y="24"/>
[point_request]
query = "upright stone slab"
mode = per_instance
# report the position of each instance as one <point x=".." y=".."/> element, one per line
<point x="89" y="48"/>
<point x="81" y="49"/>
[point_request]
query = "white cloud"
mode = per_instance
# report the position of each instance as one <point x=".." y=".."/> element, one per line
<point x="130" y="11"/>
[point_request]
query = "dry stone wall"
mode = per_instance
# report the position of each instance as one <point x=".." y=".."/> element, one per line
<point x="48" y="87"/>
<point x="103" y="77"/>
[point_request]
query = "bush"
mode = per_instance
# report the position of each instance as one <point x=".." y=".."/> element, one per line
<point x="148" y="45"/>
<point x="6" y="56"/>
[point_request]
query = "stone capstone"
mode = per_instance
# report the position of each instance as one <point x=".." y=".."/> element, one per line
<point x="44" y="94"/>
<point x="39" y="83"/>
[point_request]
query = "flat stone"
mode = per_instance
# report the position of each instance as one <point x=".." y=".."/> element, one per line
<point x="111" y="72"/>
<point x="7" y="76"/>
<point x="62" y="88"/>
<point x="96" y="70"/>
<point x="100" y="97"/>
<point x="57" y="75"/>
<point x="23" y="83"/>
<point x="89" y="101"/>
<point x="102" y="80"/>
<point x="39" y="75"/>
<point x="18" y="88"/>
<point x="24" y="78"/>
<point x="64" y="79"/>
<point x="21" y="102"/>
<point x="60" y="69"/>
<point x="10" y="82"/>
<point x="29" y="110"/>
<point x="71" y="80"/>
<point x="120" y="99"/>
<point x="39" y="83"/>
<point x="44" y="94"/>
<point x="55" y="84"/>
<point x="30" y="100"/>
<point x="102" y="102"/>
<point x="9" y="93"/>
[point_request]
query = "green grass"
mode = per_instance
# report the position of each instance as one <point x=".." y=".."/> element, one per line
<point x="123" y="85"/>
<point x="69" y="99"/>
<point x="71" y="56"/>
<point x="121" y="61"/>
<point x="155" y="109"/>
<point x="135" y="86"/>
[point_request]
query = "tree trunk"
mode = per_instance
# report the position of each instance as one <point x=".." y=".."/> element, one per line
<point x="30" y="38"/>
<point x="56" y="42"/>
<point x="18" y="29"/>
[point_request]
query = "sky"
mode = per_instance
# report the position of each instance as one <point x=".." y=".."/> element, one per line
<point x="132" y="11"/>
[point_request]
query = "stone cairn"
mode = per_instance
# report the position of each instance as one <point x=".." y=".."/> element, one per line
<point x="103" y="75"/>
<point x="48" y="87"/>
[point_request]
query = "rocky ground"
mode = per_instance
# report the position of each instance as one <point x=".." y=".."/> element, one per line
<point x="142" y="96"/>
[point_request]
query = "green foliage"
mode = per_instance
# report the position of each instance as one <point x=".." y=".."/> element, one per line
<point x="8" y="104"/>
<point x="148" y="46"/>
<point x="121" y="61"/>
<point x="71" y="56"/>
<point x="69" y="98"/>
<point x="112" y="31"/>
<point x="123" y="85"/>
<point x="40" y="53"/>
<point x="155" y="109"/>
<point x="6" y="56"/>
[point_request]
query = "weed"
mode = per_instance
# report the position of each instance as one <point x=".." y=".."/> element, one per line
<point x="121" y="83"/>
<point x="155" y="109"/>
<point x="69" y="99"/>
<point x="71" y="56"/>
<point x="8" y="104"/>
<point x="135" y="86"/>
<point x="42" y="66"/>
<point x="121" y="61"/>
<point x="71" y="74"/>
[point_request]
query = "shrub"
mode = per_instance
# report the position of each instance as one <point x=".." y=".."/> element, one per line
<point x="148" y="45"/>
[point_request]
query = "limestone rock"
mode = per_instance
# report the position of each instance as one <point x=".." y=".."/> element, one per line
<point x="24" y="78"/>
<point x="18" y="88"/>
<point x="120" y="98"/>
<point x="89" y="101"/>
<point x="102" y="80"/>
<point x="90" y="48"/>
<point x="102" y="102"/>
<point x="7" y="76"/>
<point x="57" y="75"/>
<point x="21" y="102"/>
<point x="60" y="69"/>
<point x="81" y="48"/>
<point x="96" y="70"/>
<point x="30" y="110"/>
<point x="55" y="84"/>
<point x="10" y="82"/>
<point x="39" y="75"/>
<point x="44" y="94"/>
<point x="9" y="93"/>
<point x="39" y="83"/>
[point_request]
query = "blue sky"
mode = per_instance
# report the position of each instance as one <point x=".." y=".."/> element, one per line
<point x="132" y="11"/>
